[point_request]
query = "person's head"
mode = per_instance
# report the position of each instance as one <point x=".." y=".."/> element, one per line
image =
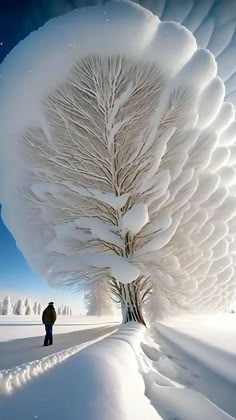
<point x="51" y="304"/>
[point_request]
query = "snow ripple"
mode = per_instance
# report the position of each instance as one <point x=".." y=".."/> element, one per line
<point x="170" y="386"/>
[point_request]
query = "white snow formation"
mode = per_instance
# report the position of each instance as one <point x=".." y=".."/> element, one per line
<point x="115" y="136"/>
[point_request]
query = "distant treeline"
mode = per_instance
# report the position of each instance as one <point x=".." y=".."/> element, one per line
<point x="27" y="307"/>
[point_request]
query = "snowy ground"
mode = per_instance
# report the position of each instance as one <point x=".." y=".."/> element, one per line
<point x="198" y="353"/>
<point x="21" y="338"/>
<point x="14" y="327"/>
<point x="179" y="370"/>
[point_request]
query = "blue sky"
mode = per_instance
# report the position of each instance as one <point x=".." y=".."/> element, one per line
<point x="17" y="280"/>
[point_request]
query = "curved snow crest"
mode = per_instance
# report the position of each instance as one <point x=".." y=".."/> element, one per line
<point x="144" y="37"/>
<point x="11" y="379"/>
<point x="213" y="24"/>
<point x="124" y="160"/>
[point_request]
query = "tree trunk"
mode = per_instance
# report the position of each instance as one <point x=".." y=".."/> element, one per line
<point x="130" y="303"/>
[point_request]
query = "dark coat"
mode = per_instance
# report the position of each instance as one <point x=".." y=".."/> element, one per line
<point x="49" y="315"/>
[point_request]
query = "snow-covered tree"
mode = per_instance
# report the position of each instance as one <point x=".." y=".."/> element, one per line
<point x="7" y="306"/>
<point x="98" y="299"/>
<point x="39" y="309"/>
<point x="0" y="308"/>
<point x="35" y="308"/>
<point x="64" y="310"/>
<point x="19" y="307"/>
<point x="71" y="312"/>
<point x="59" y="311"/>
<point x="129" y="156"/>
<point x="28" y="310"/>
<point x="27" y="302"/>
<point x="24" y="304"/>
<point x="28" y="307"/>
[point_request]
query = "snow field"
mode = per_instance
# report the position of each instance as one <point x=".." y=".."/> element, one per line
<point x="202" y="347"/>
<point x="133" y="373"/>
<point x="18" y="327"/>
<point x="101" y="382"/>
<point x="170" y="386"/>
<point x="207" y="329"/>
<point x="19" y="375"/>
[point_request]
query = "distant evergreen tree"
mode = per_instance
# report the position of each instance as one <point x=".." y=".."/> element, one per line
<point x="28" y="310"/>
<point x="39" y="309"/>
<point x="35" y="308"/>
<point x="19" y="307"/>
<point x="7" y="306"/>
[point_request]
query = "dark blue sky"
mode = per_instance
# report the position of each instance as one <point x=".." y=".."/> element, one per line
<point x="17" y="280"/>
<point x="15" y="274"/>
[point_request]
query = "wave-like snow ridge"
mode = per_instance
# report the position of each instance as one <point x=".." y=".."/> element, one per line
<point x="213" y="24"/>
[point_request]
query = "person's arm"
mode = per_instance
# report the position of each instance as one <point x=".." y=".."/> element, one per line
<point x="54" y="315"/>
<point x="43" y="317"/>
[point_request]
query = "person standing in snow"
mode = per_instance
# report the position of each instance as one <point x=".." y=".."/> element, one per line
<point x="49" y="317"/>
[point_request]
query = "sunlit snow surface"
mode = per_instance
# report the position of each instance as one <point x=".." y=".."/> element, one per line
<point x="178" y="369"/>
<point x="148" y="128"/>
